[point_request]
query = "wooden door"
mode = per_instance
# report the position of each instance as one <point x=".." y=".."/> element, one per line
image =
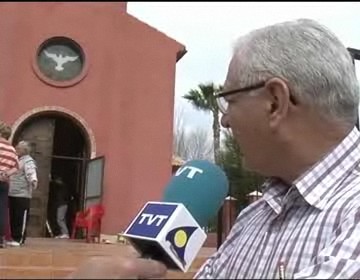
<point x="40" y="133"/>
<point x="94" y="181"/>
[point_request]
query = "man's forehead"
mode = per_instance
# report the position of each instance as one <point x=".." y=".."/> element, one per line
<point x="232" y="77"/>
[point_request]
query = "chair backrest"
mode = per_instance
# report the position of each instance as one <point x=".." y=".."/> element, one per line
<point x="95" y="211"/>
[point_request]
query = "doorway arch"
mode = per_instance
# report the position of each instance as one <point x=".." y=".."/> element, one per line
<point x="65" y="112"/>
<point x="61" y="147"/>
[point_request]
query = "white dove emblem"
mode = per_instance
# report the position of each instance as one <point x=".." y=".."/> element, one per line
<point x="60" y="59"/>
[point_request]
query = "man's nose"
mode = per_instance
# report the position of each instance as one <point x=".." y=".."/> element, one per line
<point x="225" y="121"/>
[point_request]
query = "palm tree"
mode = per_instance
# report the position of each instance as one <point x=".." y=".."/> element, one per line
<point x="203" y="99"/>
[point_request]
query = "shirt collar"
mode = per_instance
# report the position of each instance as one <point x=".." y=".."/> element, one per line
<point x="318" y="183"/>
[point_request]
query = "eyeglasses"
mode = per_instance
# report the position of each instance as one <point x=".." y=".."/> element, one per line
<point x="220" y="97"/>
<point x="223" y="104"/>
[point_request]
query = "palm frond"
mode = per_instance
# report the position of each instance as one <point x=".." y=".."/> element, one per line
<point x="203" y="97"/>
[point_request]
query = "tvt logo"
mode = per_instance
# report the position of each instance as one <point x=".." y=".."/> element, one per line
<point x="190" y="170"/>
<point x="151" y="220"/>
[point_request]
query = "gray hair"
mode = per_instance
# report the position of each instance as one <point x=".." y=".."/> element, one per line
<point x="318" y="67"/>
<point x="5" y="130"/>
<point x="26" y="146"/>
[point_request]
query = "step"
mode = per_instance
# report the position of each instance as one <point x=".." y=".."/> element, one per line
<point x="50" y="259"/>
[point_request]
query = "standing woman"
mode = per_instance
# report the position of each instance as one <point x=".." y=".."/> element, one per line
<point x="8" y="165"/>
<point x="22" y="183"/>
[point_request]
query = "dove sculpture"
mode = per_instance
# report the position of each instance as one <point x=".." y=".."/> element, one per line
<point x="60" y="59"/>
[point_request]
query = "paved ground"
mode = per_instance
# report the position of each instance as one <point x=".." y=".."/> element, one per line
<point x="53" y="258"/>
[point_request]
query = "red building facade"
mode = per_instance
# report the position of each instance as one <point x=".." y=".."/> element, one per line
<point x="92" y="88"/>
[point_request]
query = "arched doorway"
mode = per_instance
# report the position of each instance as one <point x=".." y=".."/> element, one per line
<point x="61" y="147"/>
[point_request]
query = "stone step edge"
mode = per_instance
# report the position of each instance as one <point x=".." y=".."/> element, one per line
<point x="68" y="268"/>
<point x="39" y="267"/>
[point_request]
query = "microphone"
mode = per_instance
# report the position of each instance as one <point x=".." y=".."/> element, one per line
<point x="171" y="231"/>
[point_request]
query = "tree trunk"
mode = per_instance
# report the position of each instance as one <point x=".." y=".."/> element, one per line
<point x="216" y="135"/>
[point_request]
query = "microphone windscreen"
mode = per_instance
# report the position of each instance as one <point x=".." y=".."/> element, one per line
<point x="201" y="187"/>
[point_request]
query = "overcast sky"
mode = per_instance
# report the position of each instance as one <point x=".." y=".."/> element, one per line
<point x="209" y="29"/>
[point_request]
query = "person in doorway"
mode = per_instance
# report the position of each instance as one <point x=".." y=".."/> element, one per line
<point x="22" y="184"/>
<point x="61" y="197"/>
<point x="8" y="165"/>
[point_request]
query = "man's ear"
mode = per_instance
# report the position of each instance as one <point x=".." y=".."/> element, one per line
<point x="278" y="100"/>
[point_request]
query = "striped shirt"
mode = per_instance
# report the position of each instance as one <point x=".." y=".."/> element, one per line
<point x="8" y="156"/>
<point x="311" y="228"/>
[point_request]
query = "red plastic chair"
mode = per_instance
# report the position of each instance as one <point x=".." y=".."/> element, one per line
<point x="90" y="220"/>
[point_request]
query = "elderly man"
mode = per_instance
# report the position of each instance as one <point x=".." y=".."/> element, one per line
<point x="22" y="184"/>
<point x="291" y="100"/>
